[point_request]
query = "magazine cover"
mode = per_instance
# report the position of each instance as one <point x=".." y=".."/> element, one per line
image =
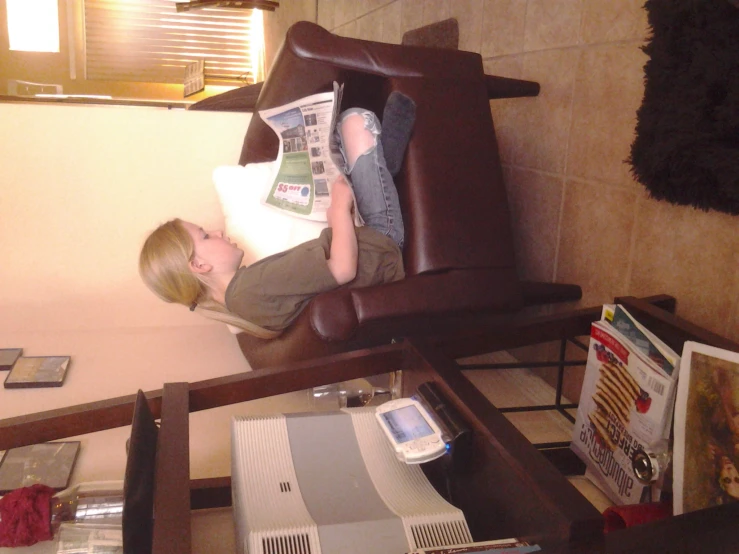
<point x="626" y="405"/>
<point x="706" y="448"/>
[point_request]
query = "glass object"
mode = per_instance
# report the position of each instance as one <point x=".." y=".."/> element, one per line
<point x="99" y="503"/>
<point x="396" y="384"/>
<point x="346" y="394"/>
<point x="651" y="465"/>
<point x="83" y="538"/>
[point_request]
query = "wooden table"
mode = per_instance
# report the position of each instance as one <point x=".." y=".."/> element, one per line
<point x="511" y="489"/>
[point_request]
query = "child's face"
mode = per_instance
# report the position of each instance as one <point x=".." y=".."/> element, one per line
<point x="214" y="249"/>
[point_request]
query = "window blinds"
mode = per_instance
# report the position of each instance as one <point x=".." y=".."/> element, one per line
<point x="148" y="41"/>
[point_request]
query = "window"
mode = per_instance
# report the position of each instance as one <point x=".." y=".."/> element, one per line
<point x="148" y="41"/>
<point x="33" y="25"/>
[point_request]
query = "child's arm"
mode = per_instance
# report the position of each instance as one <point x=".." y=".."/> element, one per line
<point x="342" y="262"/>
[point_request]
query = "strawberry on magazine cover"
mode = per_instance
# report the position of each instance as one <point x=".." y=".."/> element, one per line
<point x="601" y="353"/>
<point x="643" y="402"/>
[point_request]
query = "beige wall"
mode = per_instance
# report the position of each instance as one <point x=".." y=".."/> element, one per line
<point x="81" y="187"/>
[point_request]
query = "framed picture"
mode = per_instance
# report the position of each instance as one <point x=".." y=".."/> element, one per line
<point x="49" y="464"/>
<point x="8" y="357"/>
<point x="706" y="447"/>
<point x="38" y="371"/>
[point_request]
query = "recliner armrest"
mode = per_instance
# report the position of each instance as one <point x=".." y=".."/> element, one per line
<point x="312" y="42"/>
<point x="338" y="315"/>
<point x="311" y="59"/>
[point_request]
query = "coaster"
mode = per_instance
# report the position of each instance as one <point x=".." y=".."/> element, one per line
<point x="8" y="357"/>
<point x="49" y="464"/>
<point x="38" y="371"/>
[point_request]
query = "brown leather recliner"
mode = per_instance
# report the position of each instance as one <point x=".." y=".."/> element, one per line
<point x="458" y="252"/>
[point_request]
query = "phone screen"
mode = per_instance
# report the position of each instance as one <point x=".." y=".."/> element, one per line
<point x="407" y="424"/>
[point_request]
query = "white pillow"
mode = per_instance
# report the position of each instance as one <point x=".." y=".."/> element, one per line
<point x="259" y="230"/>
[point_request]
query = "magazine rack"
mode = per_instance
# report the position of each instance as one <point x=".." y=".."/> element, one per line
<point x="512" y="489"/>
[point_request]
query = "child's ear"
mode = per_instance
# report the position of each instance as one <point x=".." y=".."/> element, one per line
<point x="198" y="266"/>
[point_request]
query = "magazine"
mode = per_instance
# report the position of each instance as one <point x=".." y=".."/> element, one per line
<point x="309" y="158"/>
<point x="643" y="339"/>
<point x="626" y="405"/>
<point x="706" y="447"/>
<point x="500" y="546"/>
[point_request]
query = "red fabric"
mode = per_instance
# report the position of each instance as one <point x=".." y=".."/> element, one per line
<point x="621" y="517"/>
<point x="25" y="516"/>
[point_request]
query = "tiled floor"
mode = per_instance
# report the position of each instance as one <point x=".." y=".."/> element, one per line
<point x="521" y="387"/>
<point x="577" y="214"/>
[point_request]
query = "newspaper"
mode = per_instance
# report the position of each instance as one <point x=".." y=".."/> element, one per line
<point x="309" y="158"/>
<point x="706" y="447"/>
<point x="626" y="404"/>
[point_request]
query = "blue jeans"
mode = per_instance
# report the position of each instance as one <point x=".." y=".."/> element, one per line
<point x="377" y="197"/>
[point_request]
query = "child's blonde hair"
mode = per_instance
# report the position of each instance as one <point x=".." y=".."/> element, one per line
<point x="164" y="267"/>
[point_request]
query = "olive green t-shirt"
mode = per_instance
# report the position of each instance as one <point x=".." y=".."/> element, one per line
<point x="272" y="292"/>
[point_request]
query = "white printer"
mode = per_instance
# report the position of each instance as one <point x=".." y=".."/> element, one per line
<point x="330" y="483"/>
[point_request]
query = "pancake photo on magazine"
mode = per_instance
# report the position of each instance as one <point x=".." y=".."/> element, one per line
<point x="706" y="447"/>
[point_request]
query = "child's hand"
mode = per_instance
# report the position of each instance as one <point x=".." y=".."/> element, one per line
<point x="342" y="200"/>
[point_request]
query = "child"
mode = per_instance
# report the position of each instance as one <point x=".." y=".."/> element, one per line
<point x="180" y="262"/>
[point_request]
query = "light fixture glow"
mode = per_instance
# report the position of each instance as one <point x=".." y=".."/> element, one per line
<point x="256" y="44"/>
<point x="33" y="25"/>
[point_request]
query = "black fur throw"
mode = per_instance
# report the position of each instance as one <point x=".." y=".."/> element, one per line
<point x="686" y="148"/>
